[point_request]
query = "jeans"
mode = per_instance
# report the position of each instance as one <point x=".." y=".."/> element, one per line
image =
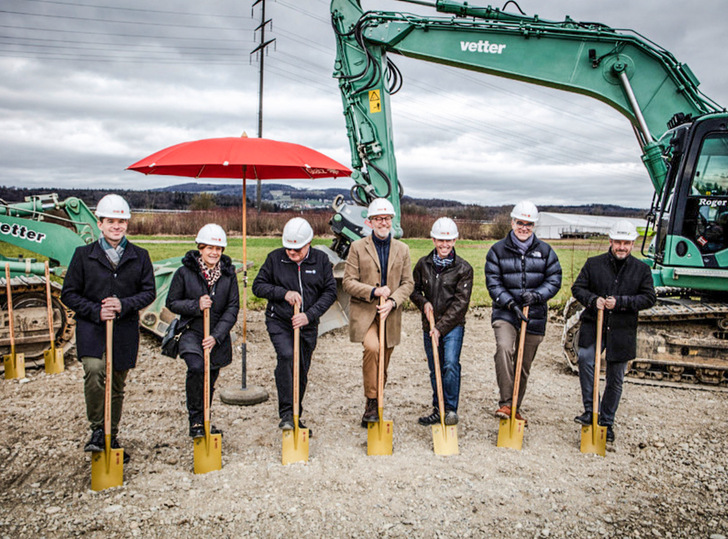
<point x="94" y="389"/>
<point x="448" y="350"/>
<point x="612" y="391"/>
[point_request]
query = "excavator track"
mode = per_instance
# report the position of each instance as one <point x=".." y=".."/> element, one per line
<point x="31" y="319"/>
<point x="681" y="342"/>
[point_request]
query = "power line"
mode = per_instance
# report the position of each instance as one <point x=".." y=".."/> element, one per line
<point x="136" y="23"/>
<point x="137" y="10"/>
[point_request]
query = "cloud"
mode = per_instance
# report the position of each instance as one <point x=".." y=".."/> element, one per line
<point x="88" y="90"/>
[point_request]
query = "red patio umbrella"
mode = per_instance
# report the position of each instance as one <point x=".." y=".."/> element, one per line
<point x="247" y="159"/>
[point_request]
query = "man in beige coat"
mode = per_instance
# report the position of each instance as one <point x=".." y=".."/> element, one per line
<point x="378" y="266"/>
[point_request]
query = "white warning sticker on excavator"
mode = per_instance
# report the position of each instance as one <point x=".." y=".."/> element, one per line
<point x="375" y="101"/>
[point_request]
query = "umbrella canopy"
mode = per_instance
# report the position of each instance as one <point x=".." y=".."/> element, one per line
<point x="246" y="159"/>
<point x="241" y="157"/>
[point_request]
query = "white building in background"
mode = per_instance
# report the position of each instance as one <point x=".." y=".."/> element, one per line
<point x="569" y="225"/>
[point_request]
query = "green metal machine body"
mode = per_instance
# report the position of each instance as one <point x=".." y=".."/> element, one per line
<point x="683" y="134"/>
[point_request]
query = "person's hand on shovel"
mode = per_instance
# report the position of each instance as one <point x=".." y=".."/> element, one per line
<point x="609" y="303"/>
<point x="513" y="306"/>
<point x="205" y="302"/>
<point x="110" y="307"/>
<point x="434" y="332"/>
<point x="385" y="308"/>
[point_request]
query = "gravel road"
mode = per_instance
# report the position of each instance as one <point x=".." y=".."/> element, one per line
<point x="664" y="477"/>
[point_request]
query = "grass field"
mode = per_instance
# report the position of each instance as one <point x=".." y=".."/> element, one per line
<point x="571" y="253"/>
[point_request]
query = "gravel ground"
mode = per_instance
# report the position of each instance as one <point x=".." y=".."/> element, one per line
<point x="664" y="477"/>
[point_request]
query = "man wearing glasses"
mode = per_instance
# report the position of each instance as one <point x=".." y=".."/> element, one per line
<point x="294" y="274"/>
<point x="520" y="271"/>
<point x="378" y="266"/>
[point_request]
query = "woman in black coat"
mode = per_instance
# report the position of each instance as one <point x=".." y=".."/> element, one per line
<point x="206" y="280"/>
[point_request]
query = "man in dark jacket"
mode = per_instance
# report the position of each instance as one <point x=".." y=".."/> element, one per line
<point x="110" y="279"/>
<point x="443" y="284"/>
<point x="520" y="271"/>
<point x="294" y="274"/>
<point x="622" y="285"/>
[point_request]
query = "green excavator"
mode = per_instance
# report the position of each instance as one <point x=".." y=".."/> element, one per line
<point x="683" y="136"/>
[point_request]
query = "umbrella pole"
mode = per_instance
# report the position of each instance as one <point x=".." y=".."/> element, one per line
<point x="244" y="396"/>
<point x="245" y="281"/>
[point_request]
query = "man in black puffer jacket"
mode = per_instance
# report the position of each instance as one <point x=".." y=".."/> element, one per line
<point x="294" y="274"/>
<point x="520" y="271"/>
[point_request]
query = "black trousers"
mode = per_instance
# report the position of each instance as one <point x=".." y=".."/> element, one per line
<point x="281" y="335"/>
<point x="195" y="387"/>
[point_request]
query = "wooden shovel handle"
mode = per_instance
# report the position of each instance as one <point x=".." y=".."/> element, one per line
<point x="438" y="374"/>
<point x="598" y="359"/>
<point x="296" y="364"/>
<point x="206" y="381"/>
<point x="51" y="333"/>
<point x="519" y="364"/>
<point x="380" y="376"/>
<point x="11" y="323"/>
<point x="109" y="375"/>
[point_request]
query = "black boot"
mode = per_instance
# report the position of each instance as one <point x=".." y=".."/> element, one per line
<point x="371" y="413"/>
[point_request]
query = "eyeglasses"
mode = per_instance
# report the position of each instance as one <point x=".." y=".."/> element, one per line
<point x="295" y="250"/>
<point x="524" y="224"/>
<point x="381" y="219"/>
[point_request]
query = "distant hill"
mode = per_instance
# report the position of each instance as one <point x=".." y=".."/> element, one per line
<point x="277" y="197"/>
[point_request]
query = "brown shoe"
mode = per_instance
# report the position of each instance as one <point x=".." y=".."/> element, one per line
<point x="371" y="413"/>
<point x="504" y="412"/>
<point x="521" y="418"/>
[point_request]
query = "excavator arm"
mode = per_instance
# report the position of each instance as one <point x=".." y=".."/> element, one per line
<point x="641" y="80"/>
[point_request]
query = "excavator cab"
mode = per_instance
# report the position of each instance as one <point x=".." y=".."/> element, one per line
<point x="692" y="231"/>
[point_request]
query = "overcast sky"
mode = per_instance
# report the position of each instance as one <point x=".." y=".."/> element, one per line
<point x="88" y="89"/>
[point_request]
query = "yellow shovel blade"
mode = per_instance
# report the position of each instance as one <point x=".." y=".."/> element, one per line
<point x="208" y="453"/>
<point x="107" y="469"/>
<point x="594" y="441"/>
<point x="379" y="437"/>
<point x="510" y="433"/>
<point x="53" y="360"/>
<point x="14" y="366"/>
<point x="295" y="446"/>
<point x="445" y="440"/>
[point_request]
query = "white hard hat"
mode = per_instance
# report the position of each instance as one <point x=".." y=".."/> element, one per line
<point x="380" y="206"/>
<point x="623" y="230"/>
<point x="113" y="206"/>
<point x="212" y="234"/>
<point x="525" y="211"/>
<point x="444" y="229"/>
<point x="297" y="233"/>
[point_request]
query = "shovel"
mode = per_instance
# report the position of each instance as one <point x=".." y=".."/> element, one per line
<point x="444" y="438"/>
<point x="379" y="434"/>
<point x="207" y="448"/>
<point x="54" y="356"/>
<point x="107" y="466"/>
<point x="510" y="432"/>
<point x="295" y="442"/>
<point x="14" y="362"/>
<point x="594" y="437"/>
